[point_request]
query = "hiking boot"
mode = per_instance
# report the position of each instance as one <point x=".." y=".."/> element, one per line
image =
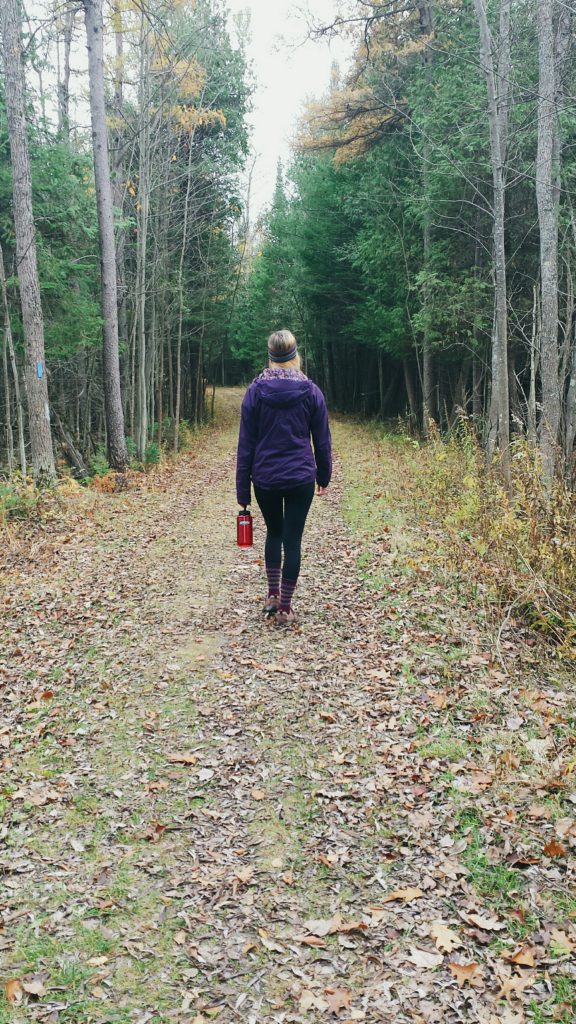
<point x="284" y="618"/>
<point x="271" y="606"/>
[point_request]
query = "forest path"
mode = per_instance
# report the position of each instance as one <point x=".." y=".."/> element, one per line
<point x="208" y="818"/>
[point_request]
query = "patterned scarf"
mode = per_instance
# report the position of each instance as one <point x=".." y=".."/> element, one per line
<point x="281" y="372"/>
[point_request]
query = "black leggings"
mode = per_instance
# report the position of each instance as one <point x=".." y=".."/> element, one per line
<point x="285" y="514"/>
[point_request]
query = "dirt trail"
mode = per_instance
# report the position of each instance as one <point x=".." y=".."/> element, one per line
<point x="212" y="819"/>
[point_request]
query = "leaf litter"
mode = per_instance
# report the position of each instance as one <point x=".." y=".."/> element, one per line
<point x="332" y="823"/>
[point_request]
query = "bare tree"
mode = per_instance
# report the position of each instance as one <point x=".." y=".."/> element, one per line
<point x="36" y="381"/>
<point x="495" y="61"/>
<point x="66" y="19"/>
<point x="8" y="350"/>
<point x="552" y="49"/>
<point x="117" y="451"/>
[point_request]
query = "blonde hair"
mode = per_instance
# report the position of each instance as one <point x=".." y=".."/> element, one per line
<point x="281" y="342"/>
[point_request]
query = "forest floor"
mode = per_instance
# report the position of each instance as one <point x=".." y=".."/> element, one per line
<point x="367" y="818"/>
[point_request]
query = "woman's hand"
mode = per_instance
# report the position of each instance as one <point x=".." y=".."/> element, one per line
<point x="321" y="490"/>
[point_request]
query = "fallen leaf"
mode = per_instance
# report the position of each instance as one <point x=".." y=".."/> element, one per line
<point x="561" y="941"/>
<point x="488" y="924"/>
<point x="330" y="926"/>
<point x="310" y="940"/>
<point x="378" y="914"/>
<point x="515" y="722"/>
<point x="244" y="874"/>
<point x="444" y="937"/>
<point x="539" y="811"/>
<point x="328" y="860"/>
<point x="468" y="974"/>
<point x="554" y="849"/>
<point x="13" y="991"/>
<point x="309" y="1001"/>
<point x="439" y="700"/>
<point x="403" y="894"/>
<point x="508" y="1016"/>
<point x="524" y="957"/>
<point x="514" y="987"/>
<point x="422" y="958"/>
<point x="323" y="927"/>
<point x="338" y="999"/>
<point x="182" y="758"/>
<point x="34" y="987"/>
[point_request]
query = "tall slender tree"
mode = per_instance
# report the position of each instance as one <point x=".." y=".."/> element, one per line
<point x="116" y="441"/>
<point x="496" y="64"/>
<point x="553" y="44"/>
<point x="36" y="380"/>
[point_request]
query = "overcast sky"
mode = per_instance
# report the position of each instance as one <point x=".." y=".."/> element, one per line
<point x="287" y="66"/>
<point x="288" y="69"/>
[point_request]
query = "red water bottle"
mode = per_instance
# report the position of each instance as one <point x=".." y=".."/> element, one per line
<point x="244" y="531"/>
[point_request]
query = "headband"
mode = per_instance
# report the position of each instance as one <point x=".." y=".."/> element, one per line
<point x="282" y="357"/>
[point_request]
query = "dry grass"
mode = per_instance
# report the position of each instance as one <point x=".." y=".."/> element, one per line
<point x="519" y="546"/>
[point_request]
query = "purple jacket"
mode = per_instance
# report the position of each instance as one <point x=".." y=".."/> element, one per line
<point x="281" y="409"/>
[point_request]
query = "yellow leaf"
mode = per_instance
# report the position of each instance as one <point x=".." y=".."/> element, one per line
<point x="445" y="939"/>
<point x="13" y="991"/>
<point x="406" y="895"/>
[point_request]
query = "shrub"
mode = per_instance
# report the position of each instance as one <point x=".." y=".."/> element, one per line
<point x="18" y="499"/>
<point x="99" y="465"/>
<point x="521" y="540"/>
<point x="152" y="454"/>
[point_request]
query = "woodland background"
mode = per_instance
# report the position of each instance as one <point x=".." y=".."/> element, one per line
<point x="420" y="241"/>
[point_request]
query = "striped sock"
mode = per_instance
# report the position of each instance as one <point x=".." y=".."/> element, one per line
<point x="273" y="575"/>
<point x="286" y="593"/>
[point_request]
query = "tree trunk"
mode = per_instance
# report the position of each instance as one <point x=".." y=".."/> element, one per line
<point x="547" y="197"/>
<point x="498" y="88"/>
<point x="547" y="201"/>
<point x="409" y="383"/>
<point x="181" y="295"/>
<point x="27" y="269"/>
<point x="118" y="184"/>
<point x="116" y="441"/>
<point x="531" y="419"/>
<point x="71" y="453"/>
<point x="7" y="332"/>
<point x="143" y="207"/>
<point x="428" y="390"/>
<point x="64" y="79"/>
<point x="429" y="410"/>
<point x="477" y="377"/>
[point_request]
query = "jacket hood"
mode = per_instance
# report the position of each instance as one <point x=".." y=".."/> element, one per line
<point x="283" y="393"/>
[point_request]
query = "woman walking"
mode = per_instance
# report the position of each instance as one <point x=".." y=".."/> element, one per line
<point x="281" y="411"/>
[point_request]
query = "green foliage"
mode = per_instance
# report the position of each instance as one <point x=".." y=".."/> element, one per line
<point x="67" y="242"/>
<point x="152" y="454"/>
<point x="18" y="499"/>
<point x="99" y="465"/>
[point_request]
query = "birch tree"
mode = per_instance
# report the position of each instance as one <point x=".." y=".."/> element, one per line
<point x="35" y="375"/>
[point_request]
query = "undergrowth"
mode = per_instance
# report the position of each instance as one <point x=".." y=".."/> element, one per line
<point x="521" y="540"/>
<point x="519" y="544"/>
